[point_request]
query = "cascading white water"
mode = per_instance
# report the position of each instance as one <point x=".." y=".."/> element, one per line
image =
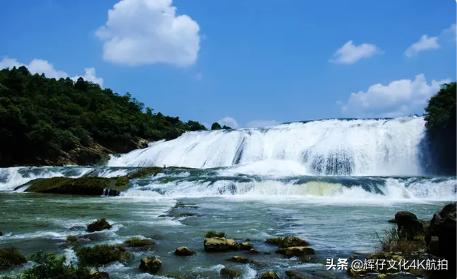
<point x="327" y="147"/>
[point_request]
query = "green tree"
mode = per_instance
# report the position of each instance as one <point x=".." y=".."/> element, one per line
<point x="440" y="120"/>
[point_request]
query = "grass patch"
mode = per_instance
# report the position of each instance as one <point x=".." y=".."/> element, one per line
<point x="102" y="254"/>
<point x="10" y="257"/>
<point x="136" y="242"/>
<point x="392" y="242"/>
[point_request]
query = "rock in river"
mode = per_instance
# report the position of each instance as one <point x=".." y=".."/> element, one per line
<point x="296" y="251"/>
<point x="150" y="264"/>
<point x="408" y="226"/>
<point x="287" y="241"/>
<point x="230" y="273"/>
<point x="184" y="251"/>
<point x="99" y="225"/>
<point x="441" y="235"/>
<point x="220" y="244"/>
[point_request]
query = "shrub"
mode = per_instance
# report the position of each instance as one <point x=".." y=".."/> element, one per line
<point x="10" y="257"/>
<point x="102" y="254"/>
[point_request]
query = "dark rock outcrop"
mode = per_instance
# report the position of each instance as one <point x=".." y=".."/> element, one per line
<point x="296" y="251"/>
<point x="441" y="234"/>
<point x="93" y="186"/>
<point x="408" y="226"/>
<point x="99" y="225"/>
<point x="150" y="264"/>
<point x="287" y="241"/>
<point x="184" y="251"/>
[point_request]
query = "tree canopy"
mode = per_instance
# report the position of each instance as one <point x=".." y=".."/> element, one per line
<point x="440" y="117"/>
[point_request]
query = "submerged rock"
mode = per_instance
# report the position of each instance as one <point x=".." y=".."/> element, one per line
<point x="295" y="274"/>
<point x="72" y="240"/>
<point x="246" y="246"/>
<point x="184" y="251"/>
<point x="102" y="254"/>
<point x="287" y="241"/>
<point x="230" y="273"/>
<point x="99" y="225"/>
<point x="239" y="259"/>
<point x="269" y="275"/>
<point x="219" y="244"/>
<point x="296" y="251"/>
<point x="10" y="257"/>
<point x="150" y="264"/>
<point x="144" y="172"/>
<point x="139" y="243"/>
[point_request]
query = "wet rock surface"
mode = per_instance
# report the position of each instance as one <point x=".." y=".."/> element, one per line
<point x="150" y="264"/>
<point x="99" y="225"/>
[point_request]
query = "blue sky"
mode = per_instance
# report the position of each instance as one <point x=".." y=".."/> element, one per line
<point x="257" y="62"/>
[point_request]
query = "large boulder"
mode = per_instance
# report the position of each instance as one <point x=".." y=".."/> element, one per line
<point x="408" y="226"/>
<point x="441" y="234"/>
<point x="150" y="264"/>
<point x="99" y="225"/>
<point x="219" y="244"/>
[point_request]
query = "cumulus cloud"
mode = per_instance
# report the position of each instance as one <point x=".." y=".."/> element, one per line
<point x="40" y="66"/>
<point x="350" y="53"/>
<point x="262" y="123"/>
<point x="425" y="43"/>
<point x="146" y="32"/>
<point x="398" y="98"/>
<point x="228" y="121"/>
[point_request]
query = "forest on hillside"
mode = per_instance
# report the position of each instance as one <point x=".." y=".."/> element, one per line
<point x="49" y="121"/>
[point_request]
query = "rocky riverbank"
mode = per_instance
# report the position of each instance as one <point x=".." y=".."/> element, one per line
<point x="411" y="239"/>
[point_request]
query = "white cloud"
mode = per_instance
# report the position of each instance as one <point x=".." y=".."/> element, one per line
<point x="425" y="43"/>
<point x="350" y="53"/>
<point x="40" y="66"/>
<point x="262" y="123"/>
<point x="90" y="75"/>
<point x="147" y="32"/>
<point x="228" y="121"/>
<point x="398" y="98"/>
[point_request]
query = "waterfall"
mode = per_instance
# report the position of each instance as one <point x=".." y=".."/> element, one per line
<point x="365" y="147"/>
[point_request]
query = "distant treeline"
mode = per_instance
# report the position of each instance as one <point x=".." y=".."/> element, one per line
<point x="440" y="115"/>
<point x="49" y="121"/>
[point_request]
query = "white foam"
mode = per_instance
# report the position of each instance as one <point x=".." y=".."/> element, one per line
<point x="328" y="147"/>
